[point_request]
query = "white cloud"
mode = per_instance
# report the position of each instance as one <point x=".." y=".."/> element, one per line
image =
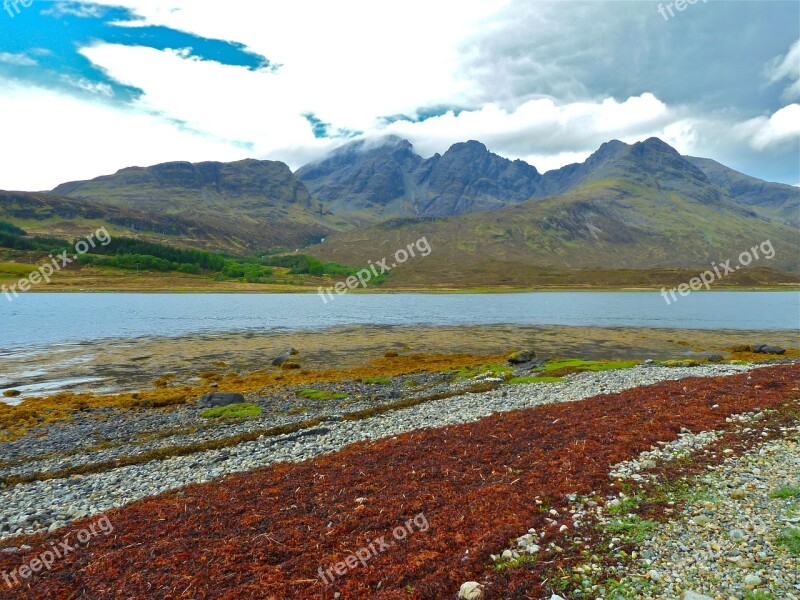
<point x="99" y="88"/>
<point x="543" y="132"/>
<point x="353" y="60"/>
<point x="75" y="9"/>
<point x="786" y="67"/>
<point x="22" y="60"/>
<point x="82" y="139"/>
<point x="781" y="129"/>
<point x="351" y="63"/>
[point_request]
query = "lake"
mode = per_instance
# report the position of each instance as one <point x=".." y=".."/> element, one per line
<point x="45" y="319"/>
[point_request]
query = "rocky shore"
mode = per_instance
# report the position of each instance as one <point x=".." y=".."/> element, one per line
<point x="46" y="505"/>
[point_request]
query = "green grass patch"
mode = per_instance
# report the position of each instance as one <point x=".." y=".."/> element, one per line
<point x="16" y="269"/>
<point x="759" y="595"/>
<point x="628" y="589"/>
<point x="791" y="539"/>
<point x="470" y="372"/>
<point x="377" y="380"/>
<point x="558" y="368"/>
<point x="786" y="492"/>
<point x="535" y="379"/>
<point x="633" y="529"/>
<point x="509" y="563"/>
<point x="232" y="411"/>
<point x="320" y="394"/>
<point x="680" y="363"/>
<point x="626" y="505"/>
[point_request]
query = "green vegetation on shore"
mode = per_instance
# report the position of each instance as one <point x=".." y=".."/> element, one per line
<point x="15" y="238"/>
<point x="556" y="370"/>
<point x="320" y="394"/>
<point x="232" y="411"/>
<point x="129" y="254"/>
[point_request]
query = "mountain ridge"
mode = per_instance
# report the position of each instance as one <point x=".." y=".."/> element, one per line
<point x="638" y="206"/>
<point x="469" y="178"/>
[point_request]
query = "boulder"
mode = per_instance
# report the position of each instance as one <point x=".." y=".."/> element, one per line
<point x="521" y="357"/>
<point x="280" y="360"/>
<point x="214" y="399"/>
<point x="767" y="349"/>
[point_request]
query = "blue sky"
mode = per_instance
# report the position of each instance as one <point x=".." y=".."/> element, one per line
<point x="88" y="88"/>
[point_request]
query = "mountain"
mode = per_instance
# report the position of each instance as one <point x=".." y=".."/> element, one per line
<point x="650" y="163"/>
<point x="773" y="200"/>
<point x="244" y="205"/>
<point x="49" y="215"/>
<point x="367" y="181"/>
<point x="641" y="206"/>
<point x="491" y="221"/>
<point x="374" y="180"/>
<point x="364" y="179"/>
<point x="468" y="178"/>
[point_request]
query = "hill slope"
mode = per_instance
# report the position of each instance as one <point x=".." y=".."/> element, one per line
<point x="492" y="221"/>
<point x="244" y="205"/>
<point x="774" y="200"/>
<point x="636" y="207"/>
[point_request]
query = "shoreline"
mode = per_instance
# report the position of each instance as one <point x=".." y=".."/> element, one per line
<point x="789" y="287"/>
<point x="340" y="469"/>
<point x="153" y="437"/>
<point x="117" y="365"/>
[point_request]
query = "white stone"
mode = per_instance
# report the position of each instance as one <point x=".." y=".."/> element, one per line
<point x="471" y="590"/>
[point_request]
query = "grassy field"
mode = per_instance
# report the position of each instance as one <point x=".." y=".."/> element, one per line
<point x="104" y="279"/>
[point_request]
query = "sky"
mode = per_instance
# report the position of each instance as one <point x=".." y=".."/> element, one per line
<point x="87" y="88"/>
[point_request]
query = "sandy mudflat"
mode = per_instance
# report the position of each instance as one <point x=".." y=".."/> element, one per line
<point x="131" y="364"/>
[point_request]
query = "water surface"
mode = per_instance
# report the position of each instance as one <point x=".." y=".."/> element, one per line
<point x="34" y="320"/>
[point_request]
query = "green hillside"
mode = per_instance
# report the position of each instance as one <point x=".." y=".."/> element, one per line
<point x="607" y="225"/>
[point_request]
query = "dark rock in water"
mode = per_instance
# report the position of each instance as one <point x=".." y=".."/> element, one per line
<point x="521" y="357"/>
<point x="279" y="361"/>
<point x="765" y="349"/>
<point x="214" y="399"/>
<point x="758" y="347"/>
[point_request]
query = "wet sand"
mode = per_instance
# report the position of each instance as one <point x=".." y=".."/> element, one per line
<point x="132" y="364"/>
